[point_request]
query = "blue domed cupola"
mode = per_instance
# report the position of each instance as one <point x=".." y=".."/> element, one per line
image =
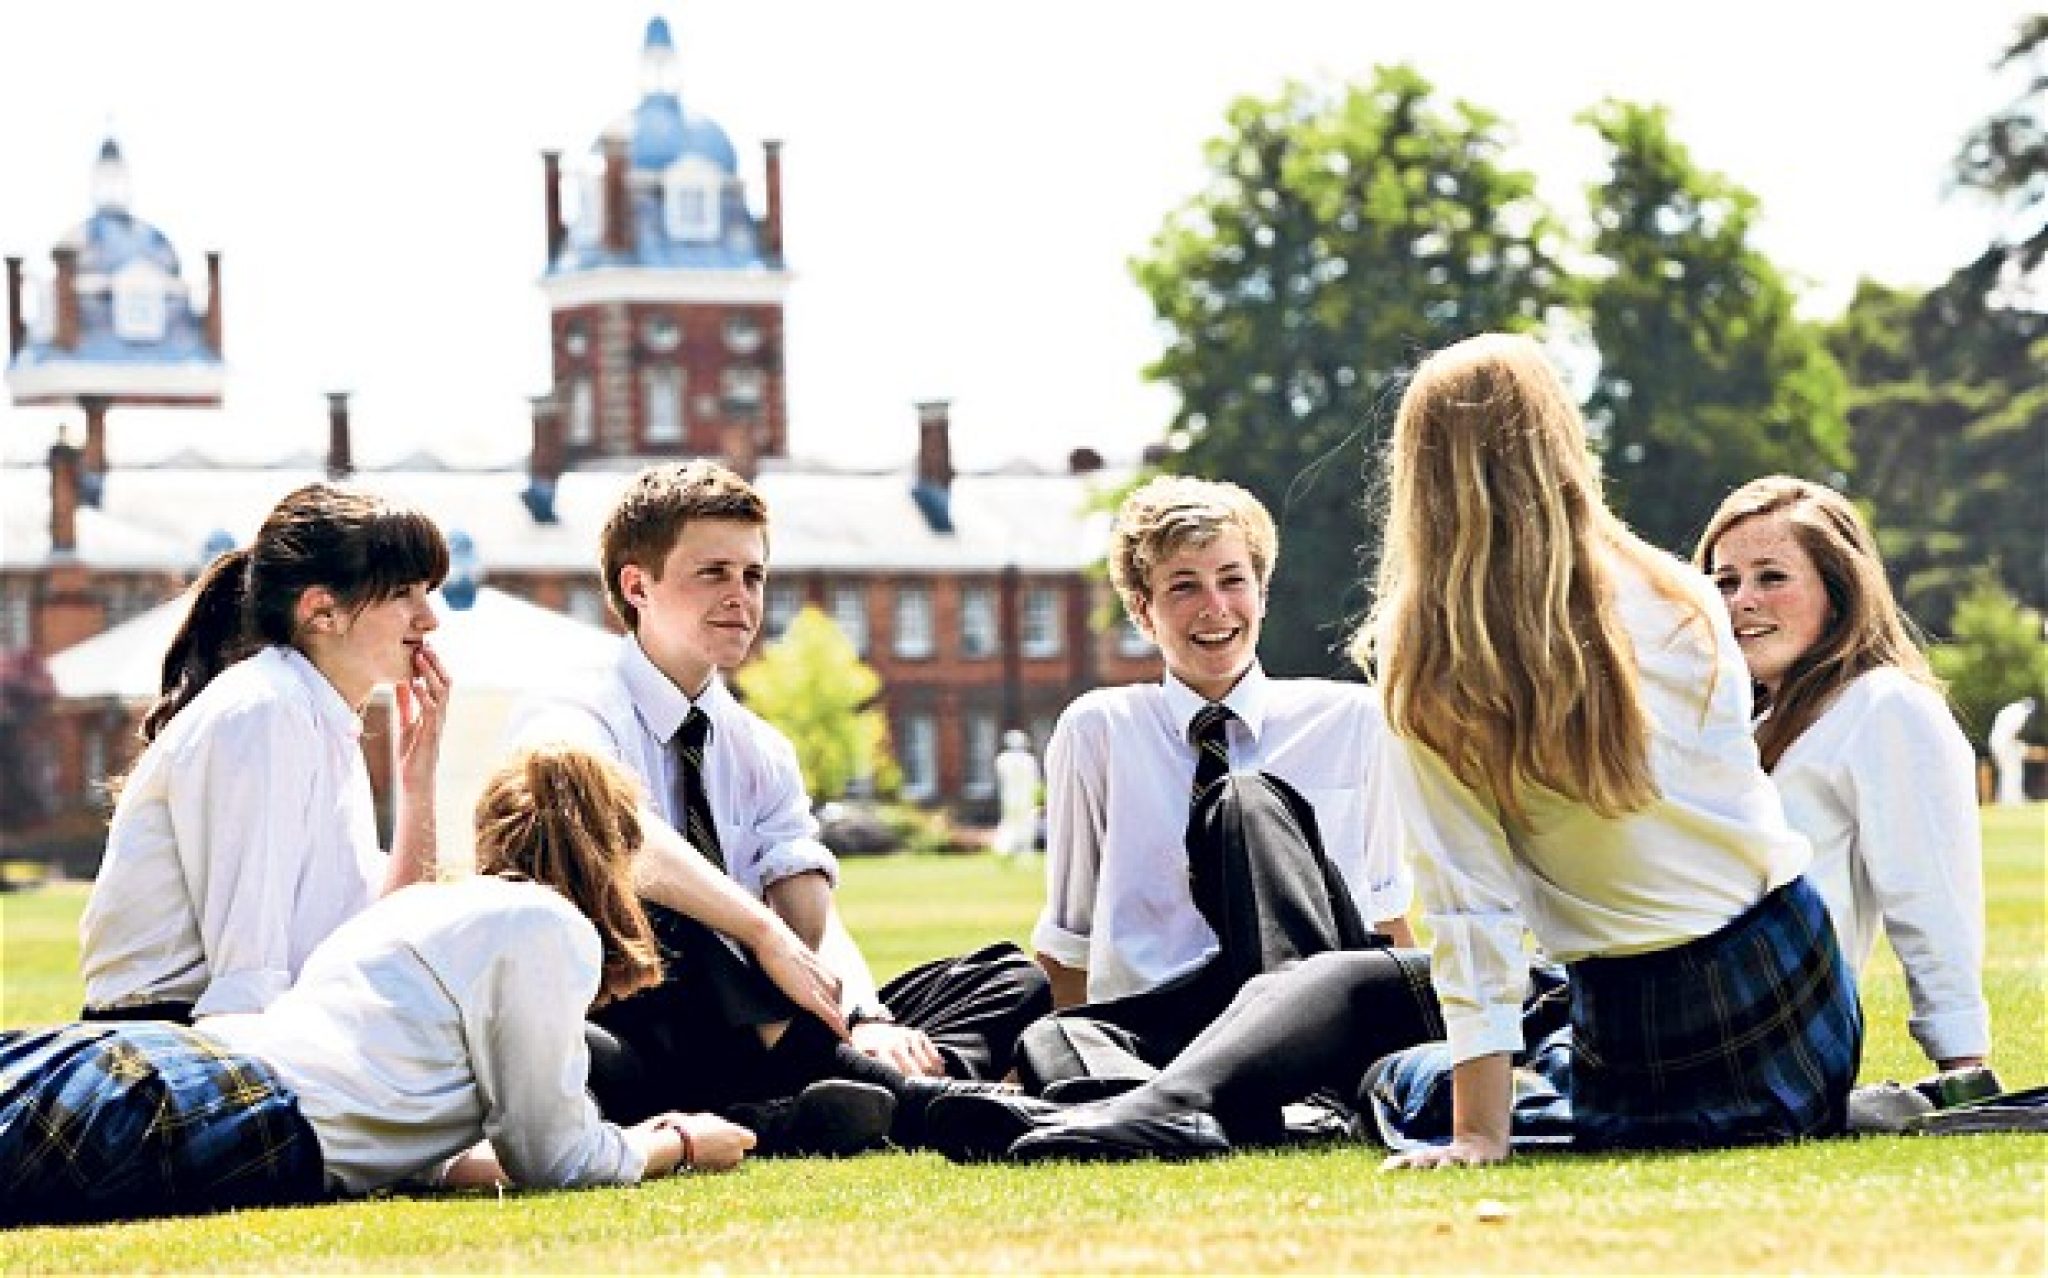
<point x="665" y="291"/>
<point x="114" y="322"/>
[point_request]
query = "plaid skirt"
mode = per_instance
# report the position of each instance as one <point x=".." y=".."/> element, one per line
<point x="1749" y="1035"/>
<point x="109" y="1121"/>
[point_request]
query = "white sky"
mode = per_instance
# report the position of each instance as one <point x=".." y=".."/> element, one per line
<point x="964" y="180"/>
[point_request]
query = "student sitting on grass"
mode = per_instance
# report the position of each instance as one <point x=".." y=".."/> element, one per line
<point x="1852" y="725"/>
<point x="443" y="1015"/>
<point x="245" y="832"/>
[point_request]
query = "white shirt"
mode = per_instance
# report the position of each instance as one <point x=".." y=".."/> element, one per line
<point x="1119" y="773"/>
<point x="1883" y="784"/>
<point x="1708" y="849"/>
<point x="243" y="837"/>
<point x="765" y="828"/>
<point x="446" y="1013"/>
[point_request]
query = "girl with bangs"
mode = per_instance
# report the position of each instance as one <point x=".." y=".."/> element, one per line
<point x="437" y="1037"/>
<point x="245" y="833"/>
<point x="1579" y="766"/>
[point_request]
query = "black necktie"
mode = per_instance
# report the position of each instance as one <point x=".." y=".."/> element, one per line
<point x="1209" y="733"/>
<point x="698" y="827"/>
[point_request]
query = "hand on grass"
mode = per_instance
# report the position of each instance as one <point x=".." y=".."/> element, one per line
<point x="1459" y="1153"/>
<point x="910" y="1050"/>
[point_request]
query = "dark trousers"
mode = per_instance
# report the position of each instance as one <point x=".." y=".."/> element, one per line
<point x="693" y="1042"/>
<point x="1280" y="900"/>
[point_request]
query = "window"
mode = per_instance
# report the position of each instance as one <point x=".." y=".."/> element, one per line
<point x="742" y="334"/>
<point x="980" y="743"/>
<point x="917" y="754"/>
<point x="582" y="427"/>
<point x="1041" y="623"/>
<point x="979" y="633"/>
<point x="661" y="333"/>
<point x="92" y="765"/>
<point x="575" y="339"/>
<point x="690" y="203"/>
<point x="913" y="622"/>
<point x="1131" y="641"/>
<point x="850" y="613"/>
<point x="139" y="304"/>
<point x="783" y="603"/>
<point x="125" y="601"/>
<point x="744" y="388"/>
<point x="662" y="393"/>
<point x="15" y="617"/>
<point x="587" y="604"/>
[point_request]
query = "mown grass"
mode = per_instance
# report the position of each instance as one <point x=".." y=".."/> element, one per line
<point x="1959" y="1204"/>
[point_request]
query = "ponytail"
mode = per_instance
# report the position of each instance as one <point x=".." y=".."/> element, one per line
<point x="213" y="637"/>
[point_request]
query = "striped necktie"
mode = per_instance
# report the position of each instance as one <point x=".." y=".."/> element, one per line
<point x="695" y="804"/>
<point x="1208" y="732"/>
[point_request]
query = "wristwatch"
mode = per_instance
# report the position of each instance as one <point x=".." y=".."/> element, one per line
<point x="869" y="1014"/>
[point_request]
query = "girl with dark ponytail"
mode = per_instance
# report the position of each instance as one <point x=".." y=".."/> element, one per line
<point x="245" y="833"/>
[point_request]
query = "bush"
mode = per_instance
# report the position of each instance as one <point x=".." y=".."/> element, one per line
<point x="1998" y="655"/>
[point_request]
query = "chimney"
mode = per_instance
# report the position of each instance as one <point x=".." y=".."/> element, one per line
<point x="771" y="234"/>
<point x="93" y="465"/>
<point x="1083" y="461"/>
<point x="65" y="333"/>
<point x="213" y="328"/>
<point x="17" y="325"/>
<point x="63" y="498"/>
<point x="742" y="455"/>
<point x="618" y="207"/>
<point x="551" y="169"/>
<point x="544" y="467"/>
<point x="933" y="487"/>
<point x="340" y="465"/>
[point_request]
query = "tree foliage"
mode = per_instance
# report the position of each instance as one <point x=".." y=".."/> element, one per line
<point x="2006" y="157"/>
<point x="1342" y="233"/>
<point x="1998" y="655"/>
<point x="1707" y="377"/>
<point x="813" y="686"/>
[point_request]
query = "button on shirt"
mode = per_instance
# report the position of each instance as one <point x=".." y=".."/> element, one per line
<point x="243" y="837"/>
<point x="1118" y="771"/>
<point x="756" y="790"/>
<point x="445" y="1014"/>
<point x="1706" y="851"/>
<point x="1883" y="784"/>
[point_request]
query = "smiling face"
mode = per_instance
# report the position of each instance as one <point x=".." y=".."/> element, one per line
<point x="1774" y="592"/>
<point x="360" y="648"/>
<point x="701" y="612"/>
<point x="1202" y="605"/>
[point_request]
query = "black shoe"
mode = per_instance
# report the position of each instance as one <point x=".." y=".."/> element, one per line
<point x="1086" y="1088"/>
<point x="1187" y="1134"/>
<point x="914" y="1099"/>
<point x="971" y="1127"/>
<point x="833" y="1117"/>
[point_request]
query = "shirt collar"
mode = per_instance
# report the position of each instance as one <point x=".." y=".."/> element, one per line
<point x="1247" y="701"/>
<point x="329" y="710"/>
<point x="661" y="705"/>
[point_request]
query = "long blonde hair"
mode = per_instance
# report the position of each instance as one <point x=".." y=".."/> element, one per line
<point x="569" y="819"/>
<point x="1492" y="635"/>
<point x="1865" y="629"/>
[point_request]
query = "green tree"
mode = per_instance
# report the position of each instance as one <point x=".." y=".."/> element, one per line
<point x="1997" y="657"/>
<point x="812" y="685"/>
<point x="1342" y="233"/>
<point x="1707" y="378"/>
<point x="2006" y="157"/>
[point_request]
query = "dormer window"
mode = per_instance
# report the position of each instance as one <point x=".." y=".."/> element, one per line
<point x="139" y="304"/>
<point x="661" y="333"/>
<point x="742" y="334"/>
<point x="690" y="202"/>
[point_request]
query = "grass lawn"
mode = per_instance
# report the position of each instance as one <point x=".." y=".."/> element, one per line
<point x="1957" y="1204"/>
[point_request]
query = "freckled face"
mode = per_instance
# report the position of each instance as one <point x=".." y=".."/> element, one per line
<point x="1203" y="607"/>
<point x="1775" y="595"/>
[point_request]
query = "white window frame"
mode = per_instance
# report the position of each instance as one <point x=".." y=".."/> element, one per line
<point x="981" y="630"/>
<point x="914" y="639"/>
<point x="140" y="312"/>
<point x="1042" y="634"/>
<point x="850" y="613"/>
<point x="744" y="390"/>
<point x="782" y="602"/>
<point x="17" y="617"/>
<point x="978" y="742"/>
<point x="689" y="202"/>
<point x="581" y="427"/>
<point x="661" y="400"/>
<point x="917" y="756"/>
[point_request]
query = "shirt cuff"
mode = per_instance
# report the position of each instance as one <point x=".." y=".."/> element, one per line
<point x="1391" y="900"/>
<point x="798" y="856"/>
<point x="1947" y="1035"/>
<point x="250" y="991"/>
<point x="1069" y="949"/>
<point x="1483" y="1031"/>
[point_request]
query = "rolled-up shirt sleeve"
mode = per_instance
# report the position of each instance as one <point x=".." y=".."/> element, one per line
<point x="1077" y="818"/>
<point x="1465" y="874"/>
<point x="786" y="832"/>
<point x="241" y="799"/>
<point x="525" y="1030"/>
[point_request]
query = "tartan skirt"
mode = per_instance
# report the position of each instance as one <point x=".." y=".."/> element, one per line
<point x="1749" y="1035"/>
<point x="122" y="1120"/>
